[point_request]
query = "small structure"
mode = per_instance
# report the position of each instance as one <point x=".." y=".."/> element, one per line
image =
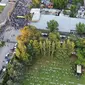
<point x="36" y="14"/>
<point x="79" y="69"/>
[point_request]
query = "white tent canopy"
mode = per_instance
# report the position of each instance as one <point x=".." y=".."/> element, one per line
<point x="79" y="69"/>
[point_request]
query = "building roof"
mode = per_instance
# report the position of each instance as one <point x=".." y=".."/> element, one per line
<point x="35" y="10"/>
<point x="4" y="1"/>
<point x="36" y="17"/>
<point x="5" y="13"/>
<point x="79" y="69"/>
<point x="36" y="14"/>
<point x="66" y="24"/>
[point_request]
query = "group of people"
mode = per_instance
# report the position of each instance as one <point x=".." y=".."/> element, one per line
<point x="21" y="9"/>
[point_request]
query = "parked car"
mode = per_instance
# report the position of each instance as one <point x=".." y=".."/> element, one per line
<point x="15" y="45"/>
<point x="7" y="55"/>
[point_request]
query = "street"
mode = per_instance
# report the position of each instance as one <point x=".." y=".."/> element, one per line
<point x="10" y="33"/>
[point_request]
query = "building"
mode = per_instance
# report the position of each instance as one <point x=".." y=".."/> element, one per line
<point x="35" y="14"/>
<point x="66" y="24"/>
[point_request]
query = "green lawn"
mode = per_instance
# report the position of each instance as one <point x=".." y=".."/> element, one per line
<point x="51" y="72"/>
<point x="1" y="8"/>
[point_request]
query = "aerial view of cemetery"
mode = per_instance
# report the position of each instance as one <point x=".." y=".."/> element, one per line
<point x="42" y="42"/>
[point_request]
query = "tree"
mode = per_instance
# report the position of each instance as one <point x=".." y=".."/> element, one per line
<point x="53" y="36"/>
<point x="27" y="33"/>
<point x="69" y="46"/>
<point x="80" y="28"/>
<point x="49" y="48"/>
<point x="75" y="2"/>
<point x="80" y="51"/>
<point x="41" y="47"/>
<point x="35" y="3"/>
<point x="44" y="48"/>
<point x="36" y="47"/>
<point x="53" y="49"/>
<point x="60" y="4"/>
<point x="52" y="25"/>
<point x="73" y="11"/>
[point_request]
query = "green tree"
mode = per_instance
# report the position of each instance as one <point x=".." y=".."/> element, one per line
<point x="60" y="4"/>
<point x="44" y="48"/>
<point x="80" y="28"/>
<point x="73" y="11"/>
<point x="53" y="49"/>
<point x="75" y="2"/>
<point x="49" y="48"/>
<point x="52" y="25"/>
<point x="80" y="51"/>
<point x="36" y="47"/>
<point x="70" y="47"/>
<point x="53" y="36"/>
<point x="41" y="47"/>
<point x="35" y="3"/>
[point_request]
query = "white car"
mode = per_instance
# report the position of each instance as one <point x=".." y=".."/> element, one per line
<point x="15" y="45"/>
<point x="4" y="69"/>
<point x="7" y="54"/>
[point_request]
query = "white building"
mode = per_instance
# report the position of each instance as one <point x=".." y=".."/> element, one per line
<point x="36" y="14"/>
<point x="66" y="24"/>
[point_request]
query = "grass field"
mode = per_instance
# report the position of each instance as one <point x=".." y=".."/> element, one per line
<point x="1" y="8"/>
<point x="48" y="71"/>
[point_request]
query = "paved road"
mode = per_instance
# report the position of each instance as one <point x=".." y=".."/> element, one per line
<point x="3" y="51"/>
<point x="8" y="34"/>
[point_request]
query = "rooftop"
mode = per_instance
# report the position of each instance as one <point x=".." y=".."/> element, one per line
<point x="66" y="24"/>
<point x="36" y="14"/>
<point x="4" y="1"/>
